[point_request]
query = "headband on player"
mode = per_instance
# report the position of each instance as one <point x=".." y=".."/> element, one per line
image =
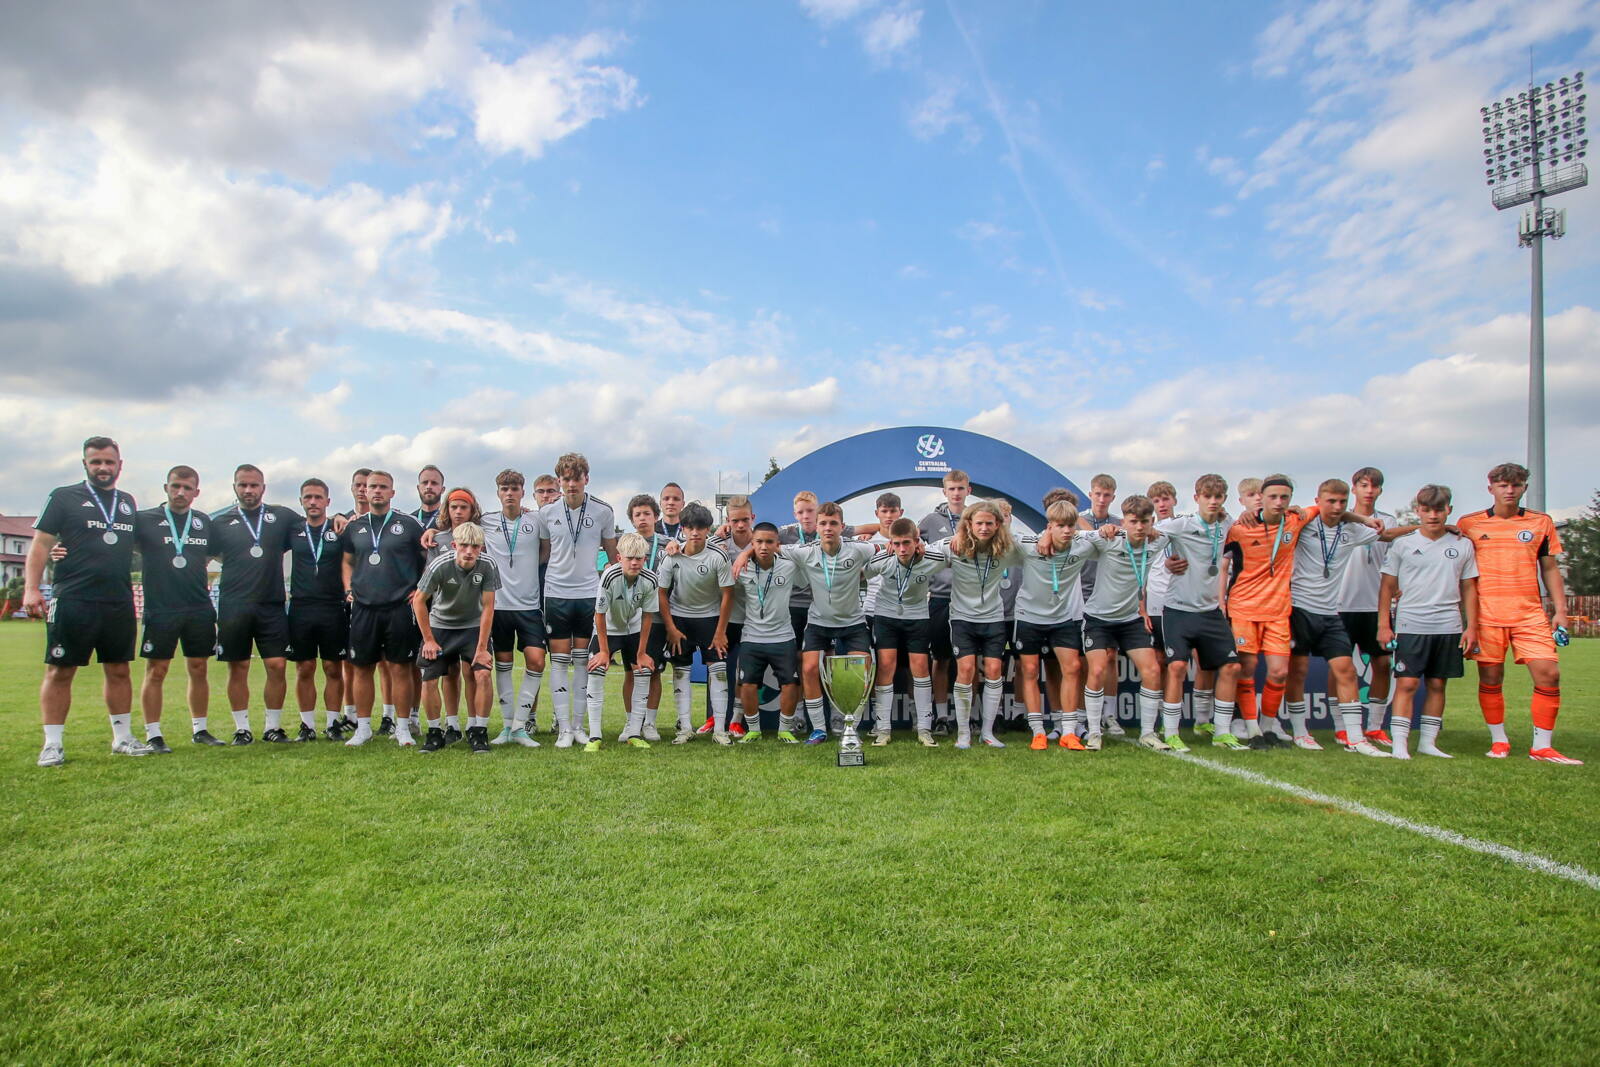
<point x="460" y="494"/>
<point x="1270" y="482"/>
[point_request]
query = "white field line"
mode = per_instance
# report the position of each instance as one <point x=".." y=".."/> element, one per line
<point x="1526" y="860"/>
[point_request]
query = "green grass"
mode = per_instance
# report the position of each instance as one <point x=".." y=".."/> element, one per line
<point x="313" y="904"/>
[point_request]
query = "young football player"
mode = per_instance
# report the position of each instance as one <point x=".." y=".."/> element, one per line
<point x="622" y="621"/>
<point x="764" y="586"/>
<point x="980" y="549"/>
<point x="454" y="609"/>
<point x="1114" y="618"/>
<point x="696" y="599"/>
<point x="1050" y="616"/>
<point x="900" y="624"/>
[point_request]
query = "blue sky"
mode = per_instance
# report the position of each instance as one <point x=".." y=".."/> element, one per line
<point x="1155" y="240"/>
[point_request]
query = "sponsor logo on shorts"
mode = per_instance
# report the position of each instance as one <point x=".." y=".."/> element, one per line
<point x="57" y="652"/>
<point x="149" y="646"/>
<point x="1170" y="654"/>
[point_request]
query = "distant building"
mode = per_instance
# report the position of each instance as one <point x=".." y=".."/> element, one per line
<point x="16" y="535"/>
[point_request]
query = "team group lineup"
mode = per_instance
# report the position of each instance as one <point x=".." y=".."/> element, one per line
<point x="424" y="607"/>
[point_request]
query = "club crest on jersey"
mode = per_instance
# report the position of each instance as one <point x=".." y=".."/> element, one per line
<point x="330" y="536"/>
<point x="271" y="517"/>
<point x="527" y="527"/>
<point x="477" y="579"/>
<point x="781" y="580"/>
<point x="1451" y="553"/>
<point x="930" y="446"/>
<point x="1525" y="536"/>
<point x="397" y="528"/>
<point x="1237" y="640"/>
<point x="126" y="510"/>
<point x="702" y="568"/>
<point x="588" y="521"/>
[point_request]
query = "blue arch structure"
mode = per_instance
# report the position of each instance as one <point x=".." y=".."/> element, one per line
<point x="915" y="455"/>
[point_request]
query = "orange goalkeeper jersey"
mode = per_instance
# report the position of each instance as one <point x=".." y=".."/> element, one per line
<point x="1263" y="563"/>
<point x="1508" y="552"/>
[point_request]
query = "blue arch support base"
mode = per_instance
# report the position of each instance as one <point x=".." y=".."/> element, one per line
<point x="915" y="455"/>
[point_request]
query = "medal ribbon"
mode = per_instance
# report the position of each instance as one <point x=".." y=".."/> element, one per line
<point x="316" y="543"/>
<point x="179" y="540"/>
<point x="1279" y="539"/>
<point x="761" y="593"/>
<point x="95" y="496"/>
<point x="376" y="533"/>
<point x="261" y="517"/>
<point x="902" y="584"/>
<point x="1327" y="552"/>
<point x="571" y="530"/>
<point x="1140" y="565"/>
<point x="511" y="537"/>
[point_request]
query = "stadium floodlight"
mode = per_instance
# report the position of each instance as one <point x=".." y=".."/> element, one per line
<point x="1534" y="145"/>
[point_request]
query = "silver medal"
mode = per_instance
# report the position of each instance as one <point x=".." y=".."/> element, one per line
<point x="375" y="559"/>
<point x="256" y="551"/>
<point x="1212" y="570"/>
<point x="109" y="538"/>
<point x="179" y="562"/>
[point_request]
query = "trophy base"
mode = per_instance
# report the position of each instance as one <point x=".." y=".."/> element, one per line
<point x="852" y="757"/>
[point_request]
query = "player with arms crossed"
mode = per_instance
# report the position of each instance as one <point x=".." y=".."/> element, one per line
<point x="900" y="624"/>
<point x="1193" y="625"/>
<point x="1434" y="574"/>
<point x="383" y="558"/>
<point x="1050" y="617"/>
<point x="91" y="609"/>
<point x="695" y="601"/>
<point x="623" y="622"/>
<point x="454" y="608"/>
<point x="1516" y="549"/>
<point x="1114" y="618"/>
<point x="574" y="530"/>
<point x="764" y="586"/>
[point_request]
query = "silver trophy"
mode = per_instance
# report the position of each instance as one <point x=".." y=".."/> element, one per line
<point x="848" y="682"/>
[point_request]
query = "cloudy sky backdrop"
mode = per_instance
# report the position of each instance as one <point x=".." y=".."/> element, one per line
<point x="1150" y="239"/>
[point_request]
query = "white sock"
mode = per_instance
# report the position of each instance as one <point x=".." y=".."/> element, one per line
<point x="1541" y="738"/>
<point x="308" y="719"/>
<point x="506" y="694"/>
<point x="963" y="703"/>
<point x="1171" y="718"/>
<point x="198" y="723"/>
<point x="1297" y="718"/>
<point x="1350" y="721"/>
<point x="882" y="699"/>
<point x="941" y="708"/>
<point x="560" y="697"/>
<point x="717" y="687"/>
<point x="348" y="710"/>
<point x="815" y="713"/>
<point x="433" y="724"/>
<point x="1224" y="716"/>
<point x="477" y="721"/>
<point x="681" y="695"/>
<point x="637" y="713"/>
<point x="331" y="717"/>
<point x="152" y="729"/>
<point x="1078" y="722"/>
<point x="1202" y="702"/>
<point x="241" y="720"/>
<point x="922" y="696"/>
<point x="1060" y="720"/>
<point x="597" y="701"/>
<point x="461" y="722"/>
<point x="993" y="689"/>
<point x="1430" y="734"/>
<point x="1036" y="723"/>
<point x="1149" y="710"/>
<point x="364" y="726"/>
<point x="54" y="735"/>
<point x="1375" y="714"/>
<point x="402" y="728"/>
<point x="528" y="696"/>
<point x="1497" y="733"/>
<point x="274" y="719"/>
<point x="1399" y="731"/>
<point x="1094" y="702"/>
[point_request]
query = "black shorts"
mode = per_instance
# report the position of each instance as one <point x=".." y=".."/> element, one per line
<point x="939" y="627"/>
<point x="455" y="646"/>
<point x="514" y="631"/>
<point x="1205" y="632"/>
<point x="318" y="630"/>
<point x="77" y="629"/>
<point x="384" y="632"/>
<point x="799" y="615"/>
<point x="656" y="643"/>
<point x="195" y="629"/>
<point x="1158" y="633"/>
<point x="697" y="634"/>
<point x="568" y="620"/>
<point x="986" y="640"/>
<point x="837" y="640"/>
<point x="1100" y="635"/>
<point x="1323" y="636"/>
<point x="1040" y="638"/>
<point x="756" y="657"/>
<point x="1362" y="626"/>
<point x="901" y="635"/>
<point x="627" y="644"/>
<point x="1427" y="656"/>
<point x="241" y="625"/>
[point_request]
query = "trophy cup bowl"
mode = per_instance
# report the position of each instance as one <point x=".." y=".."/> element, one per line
<point x="848" y="682"/>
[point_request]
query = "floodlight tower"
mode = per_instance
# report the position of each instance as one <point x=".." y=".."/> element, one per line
<point x="1533" y="147"/>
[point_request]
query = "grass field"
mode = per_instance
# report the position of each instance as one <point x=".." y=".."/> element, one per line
<point x="313" y="904"/>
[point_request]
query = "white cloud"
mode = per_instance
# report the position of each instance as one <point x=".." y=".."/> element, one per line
<point x="939" y="112"/>
<point x="912" y="272"/>
<point x="996" y="421"/>
<point x="891" y="32"/>
<point x="830" y="11"/>
<point x="548" y="93"/>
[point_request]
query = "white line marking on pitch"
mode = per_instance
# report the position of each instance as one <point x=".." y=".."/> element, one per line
<point x="1526" y="860"/>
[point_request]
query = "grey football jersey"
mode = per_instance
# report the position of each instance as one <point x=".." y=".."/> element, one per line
<point x="975" y="594"/>
<point x="764" y="596"/>
<point x="835" y="580"/>
<point x="1364" y="571"/>
<point x="1051" y="592"/>
<point x="695" y="583"/>
<point x="1429" y="574"/>
<point x="575" y="535"/>
<point x="1119" y="581"/>
<point x="1204" y="546"/>
<point x="1322" y="548"/>
<point x="456" y="596"/>
<point x="792" y="534"/>
<point x="731" y="550"/>
<point x="939" y="525"/>
<point x="624" y="602"/>
<point x="1089" y="572"/>
<point x="903" y="591"/>
<point x="513" y="544"/>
